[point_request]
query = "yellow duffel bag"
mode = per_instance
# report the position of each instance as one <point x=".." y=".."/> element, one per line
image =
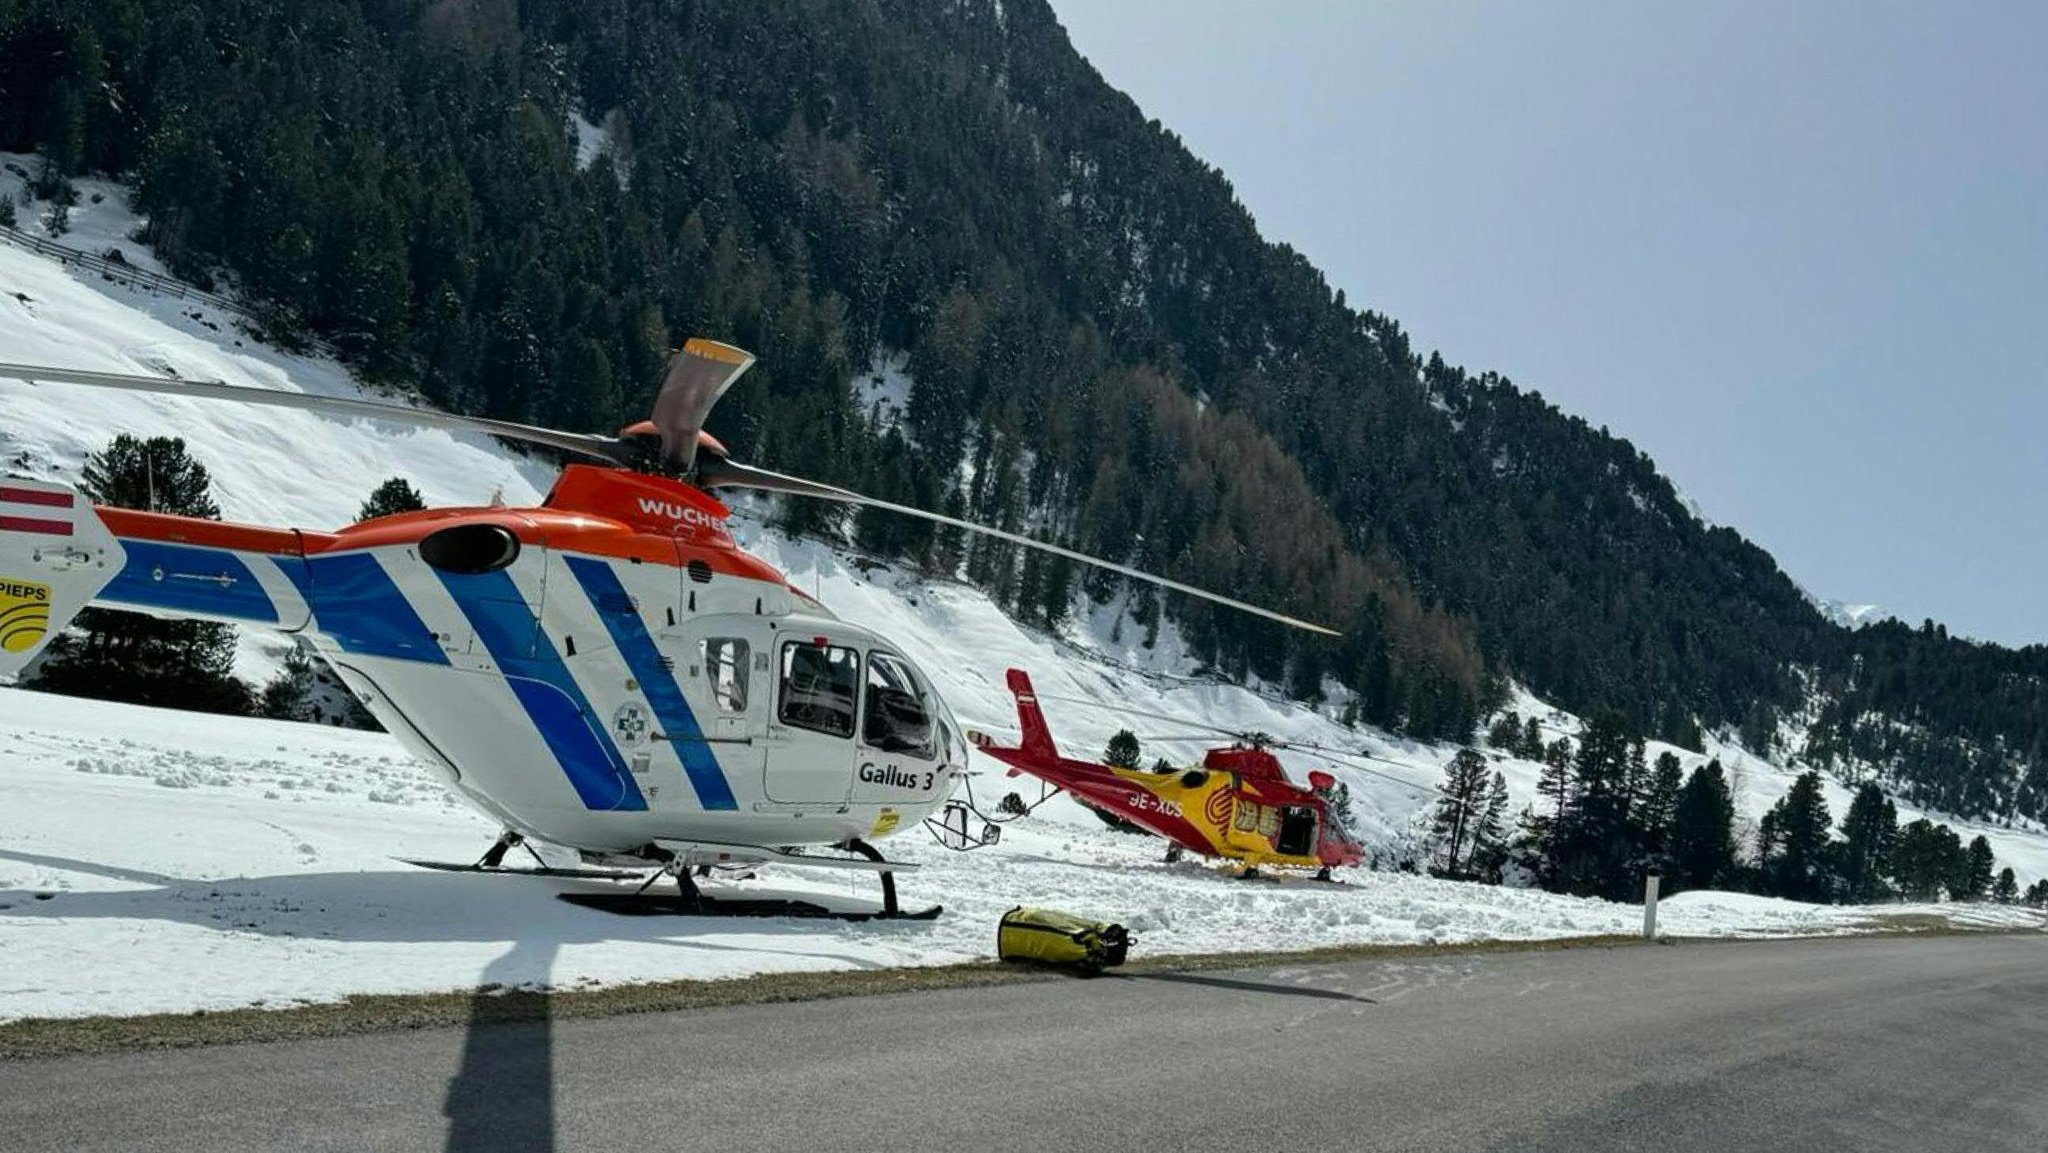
<point x="1051" y="937"/>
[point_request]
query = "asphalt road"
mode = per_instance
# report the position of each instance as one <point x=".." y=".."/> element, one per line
<point x="1876" y="1044"/>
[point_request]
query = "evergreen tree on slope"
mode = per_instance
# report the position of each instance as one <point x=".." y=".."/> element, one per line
<point x="1460" y="811"/>
<point x="395" y="495"/>
<point x="1869" y="831"/>
<point x="1973" y="876"/>
<point x="1122" y="752"/>
<point x="1702" y="843"/>
<point x="1795" y="862"/>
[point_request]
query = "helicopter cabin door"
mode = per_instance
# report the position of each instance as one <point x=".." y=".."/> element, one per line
<point x="724" y="664"/>
<point x="810" y="754"/>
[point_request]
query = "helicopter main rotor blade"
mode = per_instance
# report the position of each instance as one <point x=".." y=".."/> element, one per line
<point x="697" y="377"/>
<point x="1347" y="758"/>
<point x="1219" y="730"/>
<point x="1350" y="756"/>
<point x="732" y="474"/>
<point x="601" y="447"/>
<point x="1177" y="738"/>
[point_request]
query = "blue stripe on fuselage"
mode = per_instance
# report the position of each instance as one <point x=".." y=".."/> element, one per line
<point x="357" y="603"/>
<point x="190" y="579"/>
<point x="541" y="682"/>
<point x="615" y="607"/>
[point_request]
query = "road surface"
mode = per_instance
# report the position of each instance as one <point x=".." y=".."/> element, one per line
<point x="1876" y="1044"/>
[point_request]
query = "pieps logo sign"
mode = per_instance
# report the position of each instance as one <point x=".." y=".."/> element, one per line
<point x="24" y="613"/>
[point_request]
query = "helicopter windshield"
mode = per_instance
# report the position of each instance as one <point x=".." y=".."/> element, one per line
<point x="898" y="718"/>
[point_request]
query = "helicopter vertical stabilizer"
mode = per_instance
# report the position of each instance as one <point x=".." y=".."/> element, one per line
<point x="55" y="557"/>
<point x="1037" y="740"/>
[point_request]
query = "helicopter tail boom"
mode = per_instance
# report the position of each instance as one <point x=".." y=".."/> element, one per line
<point x="60" y="553"/>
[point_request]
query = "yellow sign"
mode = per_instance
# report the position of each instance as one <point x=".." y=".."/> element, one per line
<point x="886" y="823"/>
<point x="24" y="614"/>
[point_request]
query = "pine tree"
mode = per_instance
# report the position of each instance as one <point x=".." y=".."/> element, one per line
<point x="1973" y="877"/>
<point x="2006" y="889"/>
<point x="289" y="695"/>
<point x="1505" y="733"/>
<point x="1459" y="810"/>
<point x="1794" y="860"/>
<point x="1596" y="842"/>
<point x="134" y="658"/>
<point x="1635" y="783"/>
<point x="1702" y="843"/>
<point x="1490" y="842"/>
<point x="1532" y="741"/>
<point x="1123" y="751"/>
<point x="1545" y="830"/>
<point x="393" y="496"/>
<point x="1659" y="807"/>
<point x="1869" y="831"/>
<point x="2037" y="894"/>
<point x="1926" y="859"/>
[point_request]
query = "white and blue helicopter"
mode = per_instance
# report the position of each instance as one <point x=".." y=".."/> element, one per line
<point x="608" y="672"/>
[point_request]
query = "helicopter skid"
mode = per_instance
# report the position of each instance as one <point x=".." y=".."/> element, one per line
<point x="517" y="871"/>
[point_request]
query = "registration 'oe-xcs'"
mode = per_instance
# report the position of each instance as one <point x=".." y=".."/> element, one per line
<point x="607" y="672"/>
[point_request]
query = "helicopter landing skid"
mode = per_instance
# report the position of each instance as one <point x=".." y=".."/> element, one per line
<point x="518" y="871"/>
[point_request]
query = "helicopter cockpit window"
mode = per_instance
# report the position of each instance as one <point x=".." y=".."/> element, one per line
<point x="818" y="685"/>
<point x="897" y="720"/>
<point x="725" y="668"/>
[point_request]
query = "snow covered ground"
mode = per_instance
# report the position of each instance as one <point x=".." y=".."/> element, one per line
<point x="156" y="861"/>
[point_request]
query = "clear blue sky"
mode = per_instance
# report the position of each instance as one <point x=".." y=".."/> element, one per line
<point x="1796" y="252"/>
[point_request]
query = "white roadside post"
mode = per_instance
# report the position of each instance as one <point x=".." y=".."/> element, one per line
<point x="1650" y="907"/>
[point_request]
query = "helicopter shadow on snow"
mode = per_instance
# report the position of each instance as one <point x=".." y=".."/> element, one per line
<point x="420" y="906"/>
<point x="502" y="1092"/>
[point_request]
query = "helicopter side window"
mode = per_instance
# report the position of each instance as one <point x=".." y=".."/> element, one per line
<point x="896" y="720"/>
<point x="725" y="667"/>
<point x="1248" y="815"/>
<point x="818" y="685"/>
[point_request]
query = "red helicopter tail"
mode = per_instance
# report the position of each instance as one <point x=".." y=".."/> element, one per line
<point x="1037" y="740"/>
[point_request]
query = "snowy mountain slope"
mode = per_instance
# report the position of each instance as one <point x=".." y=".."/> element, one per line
<point x="269" y="466"/>
<point x="205" y="862"/>
<point x="282" y="467"/>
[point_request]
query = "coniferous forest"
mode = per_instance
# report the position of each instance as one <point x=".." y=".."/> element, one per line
<point x="1105" y="351"/>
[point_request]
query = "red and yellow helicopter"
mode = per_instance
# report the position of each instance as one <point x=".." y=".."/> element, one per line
<point x="607" y="672"/>
<point x="1237" y="805"/>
